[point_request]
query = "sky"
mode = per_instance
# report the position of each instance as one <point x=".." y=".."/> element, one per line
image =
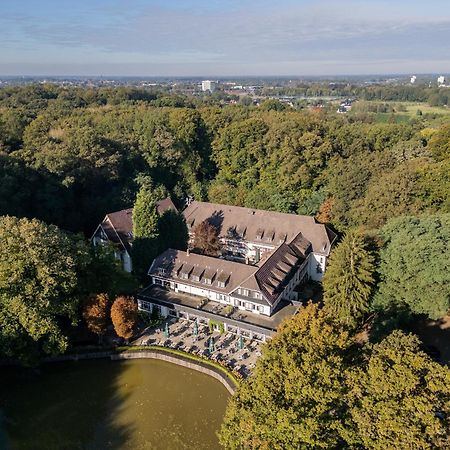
<point x="223" y="37"/>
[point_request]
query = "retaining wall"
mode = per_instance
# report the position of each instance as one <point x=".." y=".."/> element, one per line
<point x="185" y="362"/>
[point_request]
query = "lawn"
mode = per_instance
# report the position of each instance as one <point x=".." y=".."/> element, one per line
<point x="406" y="111"/>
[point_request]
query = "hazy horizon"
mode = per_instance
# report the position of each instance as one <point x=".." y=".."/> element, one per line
<point x="195" y="38"/>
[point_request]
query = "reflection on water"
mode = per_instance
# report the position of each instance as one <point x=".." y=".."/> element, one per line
<point x="90" y="405"/>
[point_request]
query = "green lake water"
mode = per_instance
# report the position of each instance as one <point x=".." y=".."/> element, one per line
<point x="100" y="404"/>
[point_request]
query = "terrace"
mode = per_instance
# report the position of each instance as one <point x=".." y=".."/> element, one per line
<point x="219" y="311"/>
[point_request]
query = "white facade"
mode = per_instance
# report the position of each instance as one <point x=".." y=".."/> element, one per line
<point x="208" y="85"/>
<point x="317" y="264"/>
<point x="120" y="254"/>
<point x="242" y="298"/>
<point x="220" y="297"/>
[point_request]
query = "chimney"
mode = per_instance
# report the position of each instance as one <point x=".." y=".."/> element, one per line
<point x="187" y="252"/>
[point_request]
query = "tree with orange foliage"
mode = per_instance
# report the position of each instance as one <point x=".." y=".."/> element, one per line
<point x="325" y="210"/>
<point x="124" y="316"/>
<point x="95" y="313"/>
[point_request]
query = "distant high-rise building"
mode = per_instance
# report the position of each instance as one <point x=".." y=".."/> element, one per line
<point x="441" y="80"/>
<point x="208" y="85"/>
<point x="413" y="79"/>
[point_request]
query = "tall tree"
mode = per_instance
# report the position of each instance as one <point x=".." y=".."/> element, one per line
<point x="312" y="388"/>
<point x="145" y="229"/>
<point x="399" y="398"/>
<point x="349" y="279"/>
<point x="39" y="284"/>
<point x="124" y="316"/>
<point x="206" y="239"/>
<point x="95" y="313"/>
<point x="295" y="397"/>
<point x="415" y="265"/>
<point x="145" y="212"/>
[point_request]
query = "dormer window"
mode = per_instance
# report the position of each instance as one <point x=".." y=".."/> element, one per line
<point x="208" y="276"/>
<point x="259" y="233"/>
<point x="270" y="235"/>
<point x="222" y="279"/>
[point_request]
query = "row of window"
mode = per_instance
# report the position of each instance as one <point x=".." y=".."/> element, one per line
<point x="249" y="293"/>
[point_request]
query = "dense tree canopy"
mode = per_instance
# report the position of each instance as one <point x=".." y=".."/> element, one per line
<point x="311" y="390"/>
<point x="70" y="155"/>
<point x="399" y="398"/>
<point x="295" y="396"/>
<point x="40" y="267"/>
<point x="415" y="265"/>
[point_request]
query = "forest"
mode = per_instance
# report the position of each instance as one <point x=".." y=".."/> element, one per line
<point x="68" y="156"/>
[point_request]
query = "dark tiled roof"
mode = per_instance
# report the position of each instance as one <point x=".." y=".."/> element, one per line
<point x="277" y="270"/>
<point x="118" y="225"/>
<point x="215" y="269"/>
<point x="265" y="227"/>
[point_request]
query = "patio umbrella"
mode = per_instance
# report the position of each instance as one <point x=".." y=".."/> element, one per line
<point x="166" y="330"/>
<point x="241" y="342"/>
<point x="195" y="328"/>
<point x="211" y="345"/>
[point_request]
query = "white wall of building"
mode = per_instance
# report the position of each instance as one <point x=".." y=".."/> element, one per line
<point x="126" y="262"/>
<point x="317" y="263"/>
<point x="225" y="299"/>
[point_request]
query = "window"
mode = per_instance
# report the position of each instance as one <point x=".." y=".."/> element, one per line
<point x="157" y="281"/>
<point x="185" y="276"/>
<point x="207" y="280"/>
<point x="245" y="292"/>
<point x="261" y="308"/>
<point x="256" y="295"/>
<point x="221" y="284"/>
<point x="161" y="271"/>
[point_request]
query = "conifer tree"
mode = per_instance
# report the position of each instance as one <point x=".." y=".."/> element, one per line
<point x="349" y="279"/>
<point x="145" y="213"/>
<point x="145" y="228"/>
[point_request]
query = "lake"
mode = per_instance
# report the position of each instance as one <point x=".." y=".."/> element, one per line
<point x="101" y="404"/>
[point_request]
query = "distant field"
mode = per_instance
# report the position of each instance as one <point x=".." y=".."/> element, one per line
<point x="412" y="107"/>
<point x="404" y="111"/>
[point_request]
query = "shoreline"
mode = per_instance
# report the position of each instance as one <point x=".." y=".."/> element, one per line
<point x="178" y="357"/>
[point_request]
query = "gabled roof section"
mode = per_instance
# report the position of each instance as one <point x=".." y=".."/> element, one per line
<point x="275" y="273"/>
<point x="118" y="225"/>
<point x="216" y="274"/>
<point x="263" y="227"/>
